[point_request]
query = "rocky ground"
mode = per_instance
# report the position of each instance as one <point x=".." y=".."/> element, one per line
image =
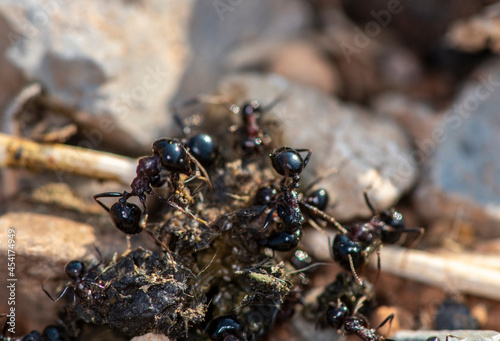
<point x="397" y="98"/>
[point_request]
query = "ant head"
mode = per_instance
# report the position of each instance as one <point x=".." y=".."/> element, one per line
<point x="265" y="195"/>
<point x="394" y="226"/>
<point x="222" y="327"/>
<point x="126" y="217"/>
<point x="251" y="108"/>
<point x="287" y="161"/>
<point x="75" y="270"/>
<point x="318" y="198"/>
<point x="336" y="314"/>
<point x="393" y="218"/>
<point x="33" y="336"/>
<point x="344" y="248"/>
<point x="204" y="148"/>
<point x="53" y="333"/>
<point x="173" y="155"/>
<point x="433" y="338"/>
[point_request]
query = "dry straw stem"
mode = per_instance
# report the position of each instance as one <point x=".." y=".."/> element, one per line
<point x="465" y="273"/>
<point x="19" y="152"/>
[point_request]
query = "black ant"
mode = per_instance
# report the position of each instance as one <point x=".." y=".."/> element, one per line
<point x="346" y="289"/>
<point x="203" y="147"/>
<point x="352" y="247"/>
<point x="80" y="282"/>
<point x="226" y="328"/>
<point x="253" y="138"/>
<point x="339" y="317"/>
<point x="390" y="223"/>
<point x="169" y="154"/>
<point x="50" y="333"/>
<point x="289" y="163"/>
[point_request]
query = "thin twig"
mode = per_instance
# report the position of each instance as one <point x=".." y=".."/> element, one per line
<point x="461" y="273"/>
<point x="18" y="152"/>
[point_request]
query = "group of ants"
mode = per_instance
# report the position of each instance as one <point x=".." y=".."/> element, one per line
<point x="190" y="157"/>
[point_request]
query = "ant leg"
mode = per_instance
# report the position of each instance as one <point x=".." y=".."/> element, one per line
<point x="247" y="213"/>
<point x="165" y="247"/>
<point x="387" y="319"/>
<point x="269" y="217"/>
<point x="359" y="304"/>
<point x="178" y="208"/>
<point x="205" y="176"/>
<point x="107" y="195"/>
<point x="316" y="226"/>
<point x="60" y="295"/>
<point x="326" y="217"/>
<point x="368" y="202"/>
<point x="420" y="232"/>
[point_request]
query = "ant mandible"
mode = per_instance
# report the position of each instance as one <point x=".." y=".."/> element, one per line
<point x="78" y="275"/>
<point x="339" y="317"/>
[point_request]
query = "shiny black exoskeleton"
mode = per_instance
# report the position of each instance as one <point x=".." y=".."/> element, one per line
<point x="282" y="240"/>
<point x="80" y="282"/>
<point x="348" y="252"/>
<point x="125" y="216"/>
<point x="318" y="198"/>
<point x="50" y="333"/>
<point x="204" y="148"/>
<point x="54" y="333"/>
<point x="339" y="317"/>
<point x="226" y="328"/>
<point x="169" y="155"/>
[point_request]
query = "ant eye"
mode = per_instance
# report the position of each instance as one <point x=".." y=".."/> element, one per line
<point x="287" y="161"/>
<point x="75" y="270"/>
<point x="126" y="217"/>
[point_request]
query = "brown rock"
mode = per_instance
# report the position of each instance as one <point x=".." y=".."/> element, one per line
<point x="44" y="244"/>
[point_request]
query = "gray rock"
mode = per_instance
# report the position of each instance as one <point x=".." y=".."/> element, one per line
<point x="130" y="59"/>
<point x="462" y="168"/>
<point x="369" y="152"/>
